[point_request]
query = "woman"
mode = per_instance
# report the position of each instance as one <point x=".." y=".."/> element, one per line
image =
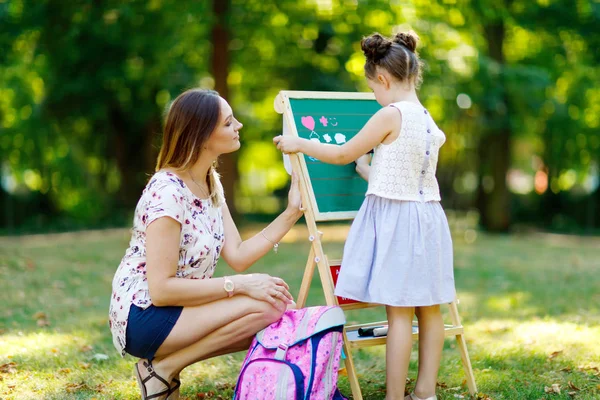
<point x="166" y="308"/>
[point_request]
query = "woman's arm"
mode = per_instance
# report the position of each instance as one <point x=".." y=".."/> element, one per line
<point x="240" y="255"/>
<point x="162" y="255"/>
<point x="380" y="125"/>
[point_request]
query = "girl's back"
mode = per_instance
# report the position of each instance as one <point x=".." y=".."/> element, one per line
<point x="405" y="169"/>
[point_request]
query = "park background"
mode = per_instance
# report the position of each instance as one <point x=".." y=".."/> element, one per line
<point x="514" y="84"/>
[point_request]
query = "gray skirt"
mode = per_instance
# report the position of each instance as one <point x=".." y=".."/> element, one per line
<point x="398" y="253"/>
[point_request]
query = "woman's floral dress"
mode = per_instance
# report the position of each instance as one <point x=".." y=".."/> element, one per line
<point x="201" y="241"/>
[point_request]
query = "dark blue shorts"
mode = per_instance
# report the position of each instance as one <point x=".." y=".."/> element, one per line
<point x="148" y="328"/>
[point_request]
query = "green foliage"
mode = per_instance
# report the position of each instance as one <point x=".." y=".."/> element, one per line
<point x="85" y="85"/>
<point x="88" y="84"/>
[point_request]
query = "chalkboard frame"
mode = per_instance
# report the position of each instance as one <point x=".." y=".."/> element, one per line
<point x="283" y="106"/>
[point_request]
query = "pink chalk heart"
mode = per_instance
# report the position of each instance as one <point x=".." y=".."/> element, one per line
<point x="308" y="123"/>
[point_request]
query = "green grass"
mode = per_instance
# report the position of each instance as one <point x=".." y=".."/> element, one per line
<point x="530" y="306"/>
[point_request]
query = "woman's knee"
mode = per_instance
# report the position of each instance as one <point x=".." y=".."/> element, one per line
<point x="256" y="315"/>
<point x="267" y="313"/>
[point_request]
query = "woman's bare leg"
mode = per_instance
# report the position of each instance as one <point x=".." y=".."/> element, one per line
<point x="207" y="331"/>
<point x="242" y="345"/>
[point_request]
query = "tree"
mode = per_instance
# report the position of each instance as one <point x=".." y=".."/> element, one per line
<point x="220" y="70"/>
<point x="522" y="63"/>
<point x="86" y="86"/>
<point x="102" y="74"/>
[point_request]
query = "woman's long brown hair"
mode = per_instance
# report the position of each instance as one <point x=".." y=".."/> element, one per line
<point x="190" y="121"/>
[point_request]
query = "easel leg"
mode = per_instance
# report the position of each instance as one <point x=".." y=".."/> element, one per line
<point x="316" y="258"/>
<point x="309" y="272"/>
<point x="352" y="376"/>
<point x="462" y="348"/>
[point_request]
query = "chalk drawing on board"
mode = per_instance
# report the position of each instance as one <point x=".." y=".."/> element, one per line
<point x="327" y="138"/>
<point x="323" y="121"/>
<point x="309" y="123"/>
<point x="339" y="138"/>
<point x="333" y="121"/>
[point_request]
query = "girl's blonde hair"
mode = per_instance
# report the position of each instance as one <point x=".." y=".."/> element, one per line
<point x="190" y="121"/>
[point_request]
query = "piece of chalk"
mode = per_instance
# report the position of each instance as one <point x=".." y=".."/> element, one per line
<point x="380" y="331"/>
<point x="368" y="331"/>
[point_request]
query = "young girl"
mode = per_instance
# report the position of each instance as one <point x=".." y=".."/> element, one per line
<point x="399" y="249"/>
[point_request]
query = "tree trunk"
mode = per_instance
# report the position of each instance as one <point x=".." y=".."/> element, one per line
<point x="550" y="202"/>
<point x="493" y="200"/>
<point x="220" y="70"/>
<point x="495" y="145"/>
<point x="135" y="159"/>
<point x="7" y="204"/>
<point x="593" y="219"/>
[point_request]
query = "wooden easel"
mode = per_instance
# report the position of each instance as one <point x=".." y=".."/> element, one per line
<point x="318" y="259"/>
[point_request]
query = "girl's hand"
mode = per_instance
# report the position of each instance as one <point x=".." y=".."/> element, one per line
<point x="294" y="196"/>
<point x="287" y="144"/>
<point x="266" y="288"/>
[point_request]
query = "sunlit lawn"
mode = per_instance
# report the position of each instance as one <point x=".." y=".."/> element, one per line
<point x="530" y="305"/>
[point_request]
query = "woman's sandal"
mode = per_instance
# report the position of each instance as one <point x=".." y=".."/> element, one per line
<point x="173" y="389"/>
<point x="152" y="374"/>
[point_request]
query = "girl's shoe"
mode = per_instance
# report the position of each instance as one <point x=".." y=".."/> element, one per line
<point x="413" y="396"/>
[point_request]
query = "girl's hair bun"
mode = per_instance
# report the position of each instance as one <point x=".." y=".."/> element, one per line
<point x="396" y="55"/>
<point x="407" y="39"/>
<point x="375" y="47"/>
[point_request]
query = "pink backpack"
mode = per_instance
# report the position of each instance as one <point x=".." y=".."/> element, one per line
<point x="296" y="358"/>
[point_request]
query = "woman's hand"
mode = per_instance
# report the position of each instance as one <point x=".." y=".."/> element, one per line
<point x="294" y="196"/>
<point x="288" y="144"/>
<point x="266" y="288"/>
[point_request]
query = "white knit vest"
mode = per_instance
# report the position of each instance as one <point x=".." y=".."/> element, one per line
<point x="405" y="168"/>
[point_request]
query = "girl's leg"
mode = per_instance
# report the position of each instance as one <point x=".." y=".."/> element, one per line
<point x="398" y="348"/>
<point x="206" y="331"/>
<point x="431" y="344"/>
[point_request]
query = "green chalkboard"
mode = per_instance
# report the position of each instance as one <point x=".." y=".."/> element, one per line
<point x="338" y="190"/>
